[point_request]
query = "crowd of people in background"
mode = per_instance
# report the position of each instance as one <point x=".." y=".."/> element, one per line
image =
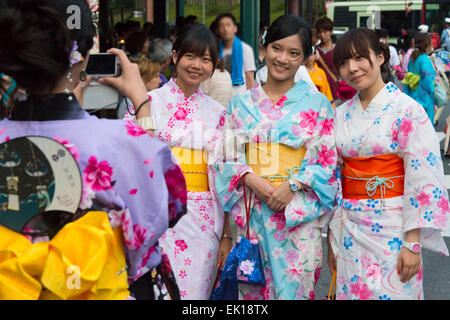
<point x="239" y="69"/>
<point x="174" y="171"/>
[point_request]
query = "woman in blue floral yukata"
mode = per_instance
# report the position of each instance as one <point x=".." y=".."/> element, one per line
<point x="279" y="145"/>
<point x="392" y="198"/>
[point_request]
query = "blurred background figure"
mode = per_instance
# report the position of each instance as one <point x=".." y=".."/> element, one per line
<point x="237" y="55"/>
<point x="191" y="19"/>
<point x="406" y="45"/>
<point x="149" y="71"/>
<point x="394" y="60"/>
<point x="324" y="27"/>
<point x="423" y="28"/>
<point x="261" y="61"/>
<point x="318" y="76"/>
<point x="135" y="44"/>
<point x="219" y="85"/>
<point x="160" y="51"/>
<point x="445" y="36"/>
<point x="420" y="65"/>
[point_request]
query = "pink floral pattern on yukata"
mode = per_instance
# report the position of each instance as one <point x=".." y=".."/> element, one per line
<point x="134" y="130"/>
<point x="176" y="184"/>
<point x="98" y="174"/>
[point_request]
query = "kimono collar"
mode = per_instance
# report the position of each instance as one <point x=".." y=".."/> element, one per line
<point x="174" y="88"/>
<point x="381" y="99"/>
<point x="48" y="108"/>
<point x="294" y="94"/>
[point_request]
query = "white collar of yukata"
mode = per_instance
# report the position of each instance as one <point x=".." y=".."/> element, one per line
<point x="173" y="85"/>
<point x="382" y="98"/>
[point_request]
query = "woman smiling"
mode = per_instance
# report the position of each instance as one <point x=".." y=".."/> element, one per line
<point x="280" y="146"/>
<point x="392" y="198"/>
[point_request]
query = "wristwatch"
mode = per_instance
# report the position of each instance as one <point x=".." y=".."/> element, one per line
<point x="415" y="247"/>
<point x="294" y="187"/>
<point x="147" y="123"/>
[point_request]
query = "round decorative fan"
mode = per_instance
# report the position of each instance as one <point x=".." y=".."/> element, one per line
<point x="40" y="185"/>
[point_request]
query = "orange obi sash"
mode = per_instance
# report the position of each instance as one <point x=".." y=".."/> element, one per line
<point x="194" y="165"/>
<point x="275" y="162"/>
<point x="373" y="177"/>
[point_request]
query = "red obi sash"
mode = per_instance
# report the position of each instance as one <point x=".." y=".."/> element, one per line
<point x="376" y="177"/>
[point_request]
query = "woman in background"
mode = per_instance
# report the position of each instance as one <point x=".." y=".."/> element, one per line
<point x="420" y="65"/>
<point x="219" y="85"/>
<point x="318" y="76"/>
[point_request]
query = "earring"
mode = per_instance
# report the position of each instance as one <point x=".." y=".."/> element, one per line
<point x="83" y="77"/>
<point x="66" y="90"/>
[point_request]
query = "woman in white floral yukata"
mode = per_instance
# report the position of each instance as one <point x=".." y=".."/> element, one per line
<point x="392" y="200"/>
<point x="295" y="186"/>
<point x="191" y="123"/>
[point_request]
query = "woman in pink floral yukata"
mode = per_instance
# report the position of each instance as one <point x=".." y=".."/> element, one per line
<point x="125" y="172"/>
<point x="191" y="123"/>
<point x="392" y="198"/>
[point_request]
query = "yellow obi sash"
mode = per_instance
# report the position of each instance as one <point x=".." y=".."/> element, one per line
<point x="194" y="167"/>
<point x="85" y="260"/>
<point x="275" y="162"/>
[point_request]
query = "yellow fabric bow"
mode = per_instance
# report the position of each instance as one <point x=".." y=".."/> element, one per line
<point x="85" y="260"/>
<point x="411" y="80"/>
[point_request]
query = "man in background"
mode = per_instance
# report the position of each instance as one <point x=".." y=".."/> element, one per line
<point x="160" y="51"/>
<point x="238" y="56"/>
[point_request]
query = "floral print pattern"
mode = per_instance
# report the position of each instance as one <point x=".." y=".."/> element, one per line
<point x="194" y="122"/>
<point x="290" y="240"/>
<point x="136" y="204"/>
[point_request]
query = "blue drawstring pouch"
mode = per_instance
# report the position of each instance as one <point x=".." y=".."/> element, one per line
<point x="243" y="265"/>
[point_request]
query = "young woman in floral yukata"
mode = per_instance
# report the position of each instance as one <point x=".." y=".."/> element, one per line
<point x="125" y="172"/>
<point x="391" y="183"/>
<point x="294" y="122"/>
<point x="191" y="123"/>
